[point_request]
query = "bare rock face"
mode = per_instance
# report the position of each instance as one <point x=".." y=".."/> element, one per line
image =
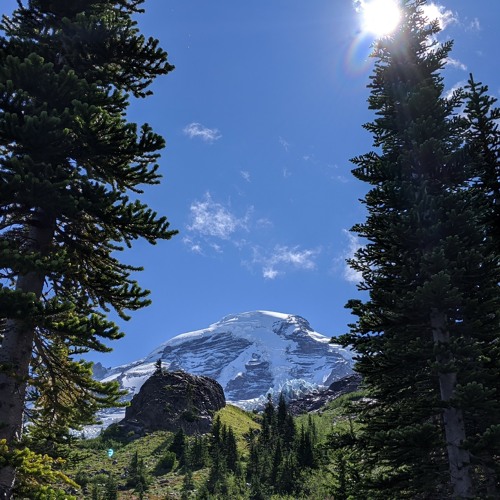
<point x="174" y="400"/>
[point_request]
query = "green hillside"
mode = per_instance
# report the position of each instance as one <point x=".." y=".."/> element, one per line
<point x="194" y="470"/>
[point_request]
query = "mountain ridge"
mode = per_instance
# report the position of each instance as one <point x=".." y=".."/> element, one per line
<point x="249" y="354"/>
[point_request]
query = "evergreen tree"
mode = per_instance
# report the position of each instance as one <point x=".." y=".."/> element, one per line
<point x="268" y="420"/>
<point x="216" y="434"/>
<point x="110" y="489"/>
<point x="187" y="484"/>
<point x="281" y="413"/>
<point x="230" y="450"/>
<point x="483" y="139"/>
<point x="481" y="394"/>
<point x="69" y="162"/>
<point x="289" y="432"/>
<point x="253" y="466"/>
<point x="95" y="491"/>
<point x="423" y="335"/>
<point x="305" y="451"/>
<point x="179" y="447"/>
<point x="158" y="367"/>
<point x="137" y="476"/>
<point x="198" y="453"/>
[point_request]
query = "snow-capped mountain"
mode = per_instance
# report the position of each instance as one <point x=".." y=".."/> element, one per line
<point x="249" y="354"/>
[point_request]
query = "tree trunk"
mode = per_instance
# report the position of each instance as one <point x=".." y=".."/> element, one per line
<point x="453" y="420"/>
<point x="16" y="351"/>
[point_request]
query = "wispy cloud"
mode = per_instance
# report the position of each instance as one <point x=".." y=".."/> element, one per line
<point x="282" y="258"/>
<point x="444" y="16"/>
<point x="245" y="175"/>
<point x="269" y="273"/>
<point x="285" y="144"/>
<point x="459" y="85"/>
<point x="340" y="264"/>
<point x="456" y="63"/>
<point x="194" y="247"/>
<point x="197" y="130"/>
<point x="213" y="219"/>
<point x="264" y="222"/>
<point x="474" y="25"/>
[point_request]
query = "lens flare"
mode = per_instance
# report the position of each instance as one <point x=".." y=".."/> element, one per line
<point x="380" y="17"/>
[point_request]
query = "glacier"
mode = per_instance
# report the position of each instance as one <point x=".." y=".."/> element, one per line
<point x="250" y="354"/>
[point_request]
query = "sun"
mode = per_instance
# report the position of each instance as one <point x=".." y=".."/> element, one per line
<point x="380" y="17"/>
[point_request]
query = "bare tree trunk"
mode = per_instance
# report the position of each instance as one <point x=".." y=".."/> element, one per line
<point x="16" y="351"/>
<point x="453" y="420"/>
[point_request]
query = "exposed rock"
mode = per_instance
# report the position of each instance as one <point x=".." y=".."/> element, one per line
<point x="250" y="354"/>
<point x="99" y="371"/>
<point x="174" y="400"/>
<point x="315" y="400"/>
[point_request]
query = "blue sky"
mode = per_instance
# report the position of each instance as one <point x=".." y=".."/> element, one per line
<point x="261" y="116"/>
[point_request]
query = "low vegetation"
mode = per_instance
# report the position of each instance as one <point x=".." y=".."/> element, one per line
<point x="246" y="455"/>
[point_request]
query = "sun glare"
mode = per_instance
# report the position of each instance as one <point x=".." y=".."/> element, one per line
<point x="380" y="17"/>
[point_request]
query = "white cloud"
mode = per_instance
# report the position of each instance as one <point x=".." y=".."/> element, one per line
<point x="245" y="175"/>
<point x="285" y="144"/>
<point x="206" y="134"/>
<point x="194" y="247"/>
<point x="474" y="25"/>
<point x="353" y="244"/>
<point x="457" y="86"/>
<point x="281" y="258"/>
<point x="444" y="17"/>
<point x="264" y="222"/>
<point x="210" y="218"/>
<point x="269" y="273"/>
<point x="456" y="64"/>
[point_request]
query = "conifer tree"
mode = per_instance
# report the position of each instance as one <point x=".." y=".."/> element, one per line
<point x="198" y="453"/>
<point x="423" y="335"/>
<point x="481" y="394"/>
<point x="180" y="447"/>
<point x="71" y="170"/>
<point x="110" y="489"/>
<point x="230" y="450"/>
<point x="483" y="139"/>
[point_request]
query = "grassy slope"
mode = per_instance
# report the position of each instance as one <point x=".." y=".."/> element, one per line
<point x="91" y="456"/>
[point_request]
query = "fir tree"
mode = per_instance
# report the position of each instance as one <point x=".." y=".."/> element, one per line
<point x="198" y="453"/>
<point x="481" y="393"/>
<point x="281" y="413"/>
<point x="423" y="336"/>
<point x="187" y="484"/>
<point x="230" y="450"/>
<point x="179" y="447"/>
<point x="268" y="420"/>
<point x="137" y="476"/>
<point x="69" y="163"/>
<point x="158" y="367"/>
<point x="483" y="139"/>
<point x="110" y="489"/>
<point x="305" y="449"/>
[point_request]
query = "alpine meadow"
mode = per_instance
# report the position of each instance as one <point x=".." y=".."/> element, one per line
<point x="414" y="412"/>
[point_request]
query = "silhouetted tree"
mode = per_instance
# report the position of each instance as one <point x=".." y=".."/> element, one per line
<point x="426" y="335"/>
<point x="72" y="168"/>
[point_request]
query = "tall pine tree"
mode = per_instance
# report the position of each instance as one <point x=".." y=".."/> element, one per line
<point x="423" y="334"/>
<point x="71" y="170"/>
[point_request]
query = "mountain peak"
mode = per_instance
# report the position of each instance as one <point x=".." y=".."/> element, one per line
<point x="250" y="354"/>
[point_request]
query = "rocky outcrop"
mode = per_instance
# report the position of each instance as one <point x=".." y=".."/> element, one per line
<point x="315" y="400"/>
<point x="174" y="400"/>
